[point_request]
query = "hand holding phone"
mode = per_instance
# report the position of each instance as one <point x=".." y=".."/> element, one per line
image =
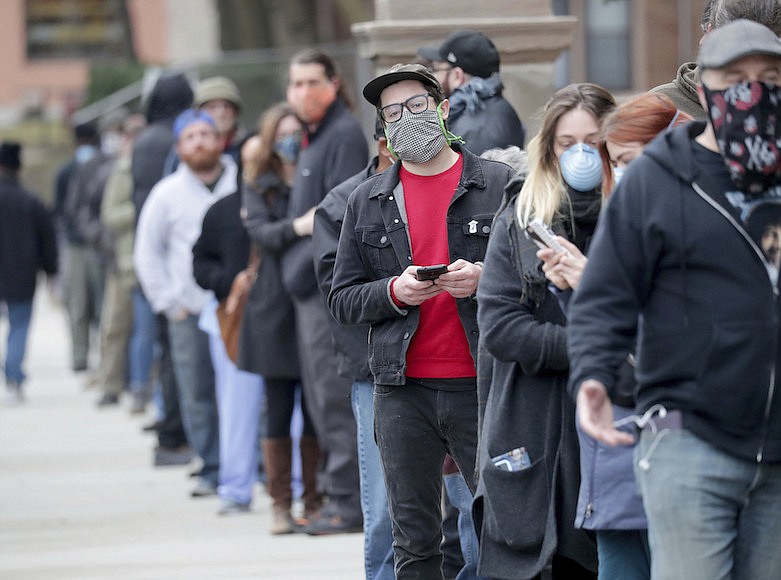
<point x="431" y="272"/>
<point x="544" y="236"/>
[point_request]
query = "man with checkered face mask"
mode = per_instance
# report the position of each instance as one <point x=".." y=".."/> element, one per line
<point x="433" y="207"/>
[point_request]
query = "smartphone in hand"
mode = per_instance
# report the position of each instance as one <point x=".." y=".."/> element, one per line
<point x="431" y="272"/>
<point x="544" y="236"/>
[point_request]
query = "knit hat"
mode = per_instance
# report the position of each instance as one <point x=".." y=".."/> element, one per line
<point x="736" y="40"/>
<point x="10" y="155"/>
<point x="469" y="50"/>
<point x="396" y="74"/>
<point x="189" y="117"/>
<point x="217" y="88"/>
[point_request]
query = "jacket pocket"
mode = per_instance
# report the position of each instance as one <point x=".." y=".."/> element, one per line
<point x="736" y="373"/>
<point x="517" y="504"/>
<point x="379" y="251"/>
<point x="476" y="231"/>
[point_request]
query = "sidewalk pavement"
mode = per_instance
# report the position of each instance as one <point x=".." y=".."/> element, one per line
<point x="79" y="498"/>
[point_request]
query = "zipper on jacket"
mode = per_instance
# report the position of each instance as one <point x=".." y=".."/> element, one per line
<point x="772" y="387"/>
<point x="758" y="252"/>
<point x="592" y="476"/>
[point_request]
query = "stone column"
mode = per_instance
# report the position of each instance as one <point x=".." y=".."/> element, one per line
<point x="526" y="33"/>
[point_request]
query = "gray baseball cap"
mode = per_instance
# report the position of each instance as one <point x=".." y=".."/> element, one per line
<point x="736" y="40"/>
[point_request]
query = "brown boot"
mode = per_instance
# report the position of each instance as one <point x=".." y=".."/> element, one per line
<point x="277" y="461"/>
<point x="310" y="463"/>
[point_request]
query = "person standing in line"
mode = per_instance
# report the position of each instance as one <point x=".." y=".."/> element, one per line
<point x="170" y="96"/>
<point x="220" y="262"/>
<point x="609" y="502"/>
<point x="118" y="215"/>
<point x="333" y="149"/>
<point x="353" y="355"/>
<point x="674" y="269"/>
<point x="466" y="64"/>
<point x="432" y="210"/>
<point x="267" y="341"/>
<point x="219" y="96"/>
<point x="683" y="89"/>
<point x="82" y="208"/>
<point x="84" y="283"/>
<point x="529" y="470"/>
<point x="28" y="244"/>
<point x="168" y="227"/>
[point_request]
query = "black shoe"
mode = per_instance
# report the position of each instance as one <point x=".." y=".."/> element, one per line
<point x="108" y="400"/>
<point x="327" y="525"/>
<point x="149" y="427"/>
<point x="165" y="456"/>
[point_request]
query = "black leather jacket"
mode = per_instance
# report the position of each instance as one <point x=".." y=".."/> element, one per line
<point x="374" y="247"/>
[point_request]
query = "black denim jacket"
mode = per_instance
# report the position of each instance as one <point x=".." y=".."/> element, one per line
<point x="374" y="247"/>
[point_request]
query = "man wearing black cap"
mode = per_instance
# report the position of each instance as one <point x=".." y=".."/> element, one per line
<point x="676" y="260"/>
<point x="467" y="67"/>
<point x="408" y="264"/>
<point x="27" y="245"/>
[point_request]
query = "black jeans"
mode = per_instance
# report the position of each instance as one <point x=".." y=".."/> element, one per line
<point x="415" y="427"/>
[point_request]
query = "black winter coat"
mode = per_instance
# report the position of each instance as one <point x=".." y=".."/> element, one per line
<point x="27" y="241"/>
<point x="497" y="125"/>
<point x="525" y="517"/>
<point x="267" y="344"/>
<point x="222" y="249"/>
<point x="335" y="152"/>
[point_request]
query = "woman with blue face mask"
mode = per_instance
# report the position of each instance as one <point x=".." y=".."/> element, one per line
<point x="268" y="344"/>
<point x="608" y="501"/>
<point x="528" y="448"/>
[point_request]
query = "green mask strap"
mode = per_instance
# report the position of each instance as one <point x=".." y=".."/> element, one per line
<point x="450" y="137"/>
<point x="387" y="141"/>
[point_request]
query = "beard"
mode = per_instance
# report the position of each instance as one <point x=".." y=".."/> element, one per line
<point x="201" y="159"/>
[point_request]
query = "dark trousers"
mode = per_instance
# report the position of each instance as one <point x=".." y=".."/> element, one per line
<point x="280" y="404"/>
<point x="171" y="431"/>
<point x="415" y="428"/>
<point x="327" y="398"/>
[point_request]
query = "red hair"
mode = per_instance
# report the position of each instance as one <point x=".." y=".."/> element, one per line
<point x="638" y="120"/>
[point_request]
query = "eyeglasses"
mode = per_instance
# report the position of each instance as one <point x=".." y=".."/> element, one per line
<point x="442" y="69"/>
<point x="415" y="105"/>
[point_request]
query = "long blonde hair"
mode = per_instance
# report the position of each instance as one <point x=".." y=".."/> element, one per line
<point x="543" y="193"/>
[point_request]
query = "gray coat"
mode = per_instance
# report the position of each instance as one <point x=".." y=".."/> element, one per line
<point x="525" y="517"/>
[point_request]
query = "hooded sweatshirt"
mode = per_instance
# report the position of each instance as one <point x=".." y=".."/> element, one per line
<point x="172" y="95"/>
<point x="683" y="90"/>
<point x="672" y="263"/>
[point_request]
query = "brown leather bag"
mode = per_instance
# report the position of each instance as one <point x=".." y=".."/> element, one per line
<point x="231" y="310"/>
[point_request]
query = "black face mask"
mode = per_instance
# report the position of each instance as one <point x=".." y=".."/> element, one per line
<point x="745" y="119"/>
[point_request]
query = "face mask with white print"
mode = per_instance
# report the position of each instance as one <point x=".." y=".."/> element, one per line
<point x="745" y="120"/>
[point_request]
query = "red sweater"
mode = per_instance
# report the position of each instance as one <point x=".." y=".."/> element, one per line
<point x="439" y="349"/>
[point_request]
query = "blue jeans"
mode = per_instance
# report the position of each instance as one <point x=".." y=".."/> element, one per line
<point x="239" y="398"/>
<point x="623" y="554"/>
<point x="415" y="428"/>
<point x="711" y="516"/>
<point x="378" y="538"/>
<point x="142" y="342"/>
<point x="461" y="498"/>
<point x="197" y="398"/>
<point x="20" y="313"/>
